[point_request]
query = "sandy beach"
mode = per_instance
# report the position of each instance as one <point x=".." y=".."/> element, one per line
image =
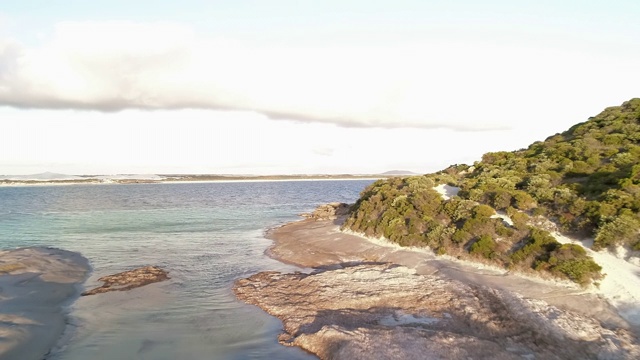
<point x="35" y="286"/>
<point x="310" y="243"/>
<point x="553" y="313"/>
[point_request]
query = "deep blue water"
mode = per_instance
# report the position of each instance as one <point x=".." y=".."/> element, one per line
<point x="206" y="235"/>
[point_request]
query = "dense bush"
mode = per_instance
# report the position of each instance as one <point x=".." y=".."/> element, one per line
<point x="620" y="229"/>
<point x="570" y="261"/>
<point x="586" y="179"/>
<point x="537" y="246"/>
<point x="485" y="246"/>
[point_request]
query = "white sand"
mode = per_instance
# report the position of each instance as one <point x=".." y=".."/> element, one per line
<point x="621" y="285"/>
<point x="35" y="286"/>
<point x="447" y="191"/>
<point x="504" y="217"/>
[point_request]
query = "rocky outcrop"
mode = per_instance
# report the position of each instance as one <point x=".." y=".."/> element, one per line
<point x="36" y="284"/>
<point x="328" y="211"/>
<point x="128" y="280"/>
<point x="385" y="311"/>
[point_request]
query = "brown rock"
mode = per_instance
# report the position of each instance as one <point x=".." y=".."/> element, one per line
<point x="385" y="311"/>
<point x="328" y="211"/>
<point x="128" y="280"/>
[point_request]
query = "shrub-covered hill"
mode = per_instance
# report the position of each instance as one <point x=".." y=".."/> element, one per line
<point x="586" y="180"/>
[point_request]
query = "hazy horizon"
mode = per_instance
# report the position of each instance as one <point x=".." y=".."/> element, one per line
<point x="55" y="176"/>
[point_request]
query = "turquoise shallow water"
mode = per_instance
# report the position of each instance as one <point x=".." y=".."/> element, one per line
<point x="206" y="234"/>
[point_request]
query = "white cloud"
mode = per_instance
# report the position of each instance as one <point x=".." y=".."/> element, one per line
<point x="113" y="66"/>
<point x="206" y="141"/>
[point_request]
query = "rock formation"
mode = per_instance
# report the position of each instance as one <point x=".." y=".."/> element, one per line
<point x="128" y="280"/>
<point x="386" y="311"/>
<point x="36" y="283"/>
<point x="328" y="211"/>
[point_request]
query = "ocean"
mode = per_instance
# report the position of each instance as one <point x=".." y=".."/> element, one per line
<point x="206" y="235"/>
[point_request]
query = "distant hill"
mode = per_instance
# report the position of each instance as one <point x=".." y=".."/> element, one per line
<point x="586" y="180"/>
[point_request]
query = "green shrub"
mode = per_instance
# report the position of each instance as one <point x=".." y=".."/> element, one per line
<point x="621" y="229"/>
<point x="523" y="201"/>
<point x="503" y="231"/>
<point x="540" y="242"/>
<point x="485" y="246"/>
<point x="483" y="211"/>
<point x="501" y="199"/>
<point x="479" y="226"/>
<point x="518" y="218"/>
<point x="461" y="236"/>
<point x="581" y="271"/>
<point x="539" y="211"/>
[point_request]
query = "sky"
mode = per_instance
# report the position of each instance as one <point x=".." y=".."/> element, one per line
<point x="301" y="87"/>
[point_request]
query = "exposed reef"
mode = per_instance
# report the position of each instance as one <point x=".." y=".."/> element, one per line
<point x="128" y="280"/>
<point x="35" y="285"/>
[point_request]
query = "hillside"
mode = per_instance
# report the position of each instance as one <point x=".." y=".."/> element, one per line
<point x="586" y="180"/>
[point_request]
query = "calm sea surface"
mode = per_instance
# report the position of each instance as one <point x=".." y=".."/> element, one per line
<point x="205" y="234"/>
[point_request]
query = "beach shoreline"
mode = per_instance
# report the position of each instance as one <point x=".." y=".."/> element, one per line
<point x="340" y="323"/>
<point x="322" y="244"/>
<point x="38" y="284"/>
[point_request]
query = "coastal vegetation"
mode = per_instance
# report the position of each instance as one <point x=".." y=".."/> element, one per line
<point x="585" y="180"/>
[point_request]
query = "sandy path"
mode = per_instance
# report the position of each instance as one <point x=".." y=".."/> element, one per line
<point x="35" y="285"/>
<point x="312" y="243"/>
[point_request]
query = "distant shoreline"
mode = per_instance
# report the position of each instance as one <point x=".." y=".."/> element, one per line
<point x="189" y="179"/>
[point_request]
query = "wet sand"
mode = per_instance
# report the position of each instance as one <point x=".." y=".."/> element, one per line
<point x="35" y="286"/>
